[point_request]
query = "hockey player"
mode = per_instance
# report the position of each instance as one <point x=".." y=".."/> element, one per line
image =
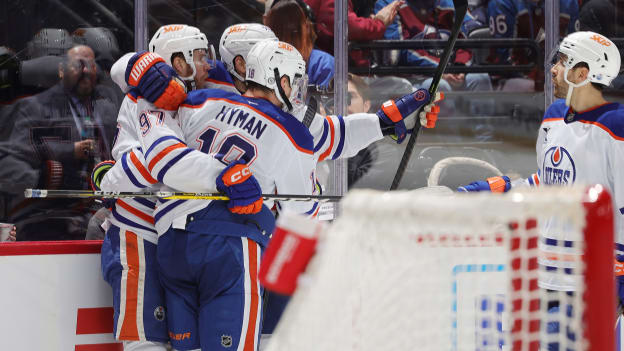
<point x="129" y="248"/>
<point x="525" y="19"/>
<point x="231" y="128"/>
<point x="581" y="140"/>
<point x="235" y="43"/>
<point x="391" y="114"/>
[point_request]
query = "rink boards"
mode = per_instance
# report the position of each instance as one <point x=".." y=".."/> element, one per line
<point x="54" y="298"/>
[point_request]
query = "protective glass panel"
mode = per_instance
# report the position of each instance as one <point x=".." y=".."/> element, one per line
<point x="58" y="108"/>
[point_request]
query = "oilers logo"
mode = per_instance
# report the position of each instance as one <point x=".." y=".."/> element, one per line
<point x="558" y="167"/>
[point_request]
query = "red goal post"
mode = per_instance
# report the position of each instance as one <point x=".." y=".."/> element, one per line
<point x="526" y="270"/>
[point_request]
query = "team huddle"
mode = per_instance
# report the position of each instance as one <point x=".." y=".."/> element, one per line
<point x="186" y="271"/>
<point x="198" y="288"/>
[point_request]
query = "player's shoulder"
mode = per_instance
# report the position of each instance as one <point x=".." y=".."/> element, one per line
<point x="197" y="98"/>
<point x="292" y="128"/>
<point x="610" y="117"/>
<point x="557" y="110"/>
<point x="218" y="75"/>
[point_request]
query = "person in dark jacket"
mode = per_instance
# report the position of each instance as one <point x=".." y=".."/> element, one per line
<point x="58" y="136"/>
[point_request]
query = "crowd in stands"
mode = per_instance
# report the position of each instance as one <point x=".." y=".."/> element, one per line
<point x="58" y="104"/>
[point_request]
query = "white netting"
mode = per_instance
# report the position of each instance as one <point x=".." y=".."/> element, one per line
<point x="420" y="271"/>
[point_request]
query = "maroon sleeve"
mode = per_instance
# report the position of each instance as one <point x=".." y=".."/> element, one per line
<point x="363" y="28"/>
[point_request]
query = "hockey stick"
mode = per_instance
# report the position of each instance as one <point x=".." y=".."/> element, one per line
<point x="167" y="195"/>
<point x="461" y="7"/>
<point x="310" y="112"/>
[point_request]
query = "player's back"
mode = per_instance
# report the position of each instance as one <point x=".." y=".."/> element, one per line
<point x="230" y="126"/>
<point x="275" y="145"/>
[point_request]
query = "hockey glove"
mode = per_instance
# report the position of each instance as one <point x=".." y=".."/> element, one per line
<point x="157" y="82"/>
<point x="394" y="112"/>
<point x="98" y="173"/>
<point x="237" y="182"/>
<point x="493" y="184"/>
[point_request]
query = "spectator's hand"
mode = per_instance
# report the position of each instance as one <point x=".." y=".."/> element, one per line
<point x="455" y="80"/>
<point x="13" y="234"/>
<point x="389" y="12"/>
<point x="82" y="149"/>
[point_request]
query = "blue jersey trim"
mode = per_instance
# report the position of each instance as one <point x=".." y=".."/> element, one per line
<point x="135" y="93"/>
<point x="128" y="171"/>
<point x="219" y="72"/>
<point x="609" y="116"/>
<point x="166" y="210"/>
<point x="173" y="161"/>
<point x="342" y="138"/>
<point x="323" y="137"/>
<point x="297" y="132"/>
<point x="557" y="109"/>
<point x="145" y="202"/>
<point x="622" y="210"/>
<point x="313" y="209"/>
<point x="126" y="221"/>
<point x="160" y="140"/>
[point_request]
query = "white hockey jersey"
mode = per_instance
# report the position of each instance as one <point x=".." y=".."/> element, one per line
<point x="133" y="213"/>
<point x="579" y="147"/>
<point x="226" y="127"/>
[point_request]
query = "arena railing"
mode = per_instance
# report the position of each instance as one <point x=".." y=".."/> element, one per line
<point x="383" y="45"/>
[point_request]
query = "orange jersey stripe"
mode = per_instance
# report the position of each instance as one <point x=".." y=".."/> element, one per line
<point x="603" y="127"/>
<point x="250" y="337"/>
<point x="141" y="168"/>
<point x="131" y="97"/>
<point x="164" y="153"/>
<point x="331" y="142"/>
<point x="219" y="82"/>
<point x="552" y="119"/>
<point x="260" y="113"/>
<point x="144" y="216"/>
<point x="129" y="329"/>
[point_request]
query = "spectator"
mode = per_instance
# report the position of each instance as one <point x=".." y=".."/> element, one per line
<point x="360" y="28"/>
<point x="104" y="44"/>
<point x="525" y="19"/>
<point x="414" y="22"/>
<point x="299" y="32"/>
<point x="358" y="101"/>
<point x="59" y="135"/>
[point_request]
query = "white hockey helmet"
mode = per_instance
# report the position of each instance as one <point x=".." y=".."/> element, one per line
<point x="597" y="51"/>
<point x="49" y="41"/>
<point x="101" y="40"/>
<point x="238" y="39"/>
<point x="174" y="38"/>
<point x="268" y="61"/>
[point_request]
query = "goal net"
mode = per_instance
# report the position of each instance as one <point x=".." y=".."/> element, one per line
<point x="527" y="270"/>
